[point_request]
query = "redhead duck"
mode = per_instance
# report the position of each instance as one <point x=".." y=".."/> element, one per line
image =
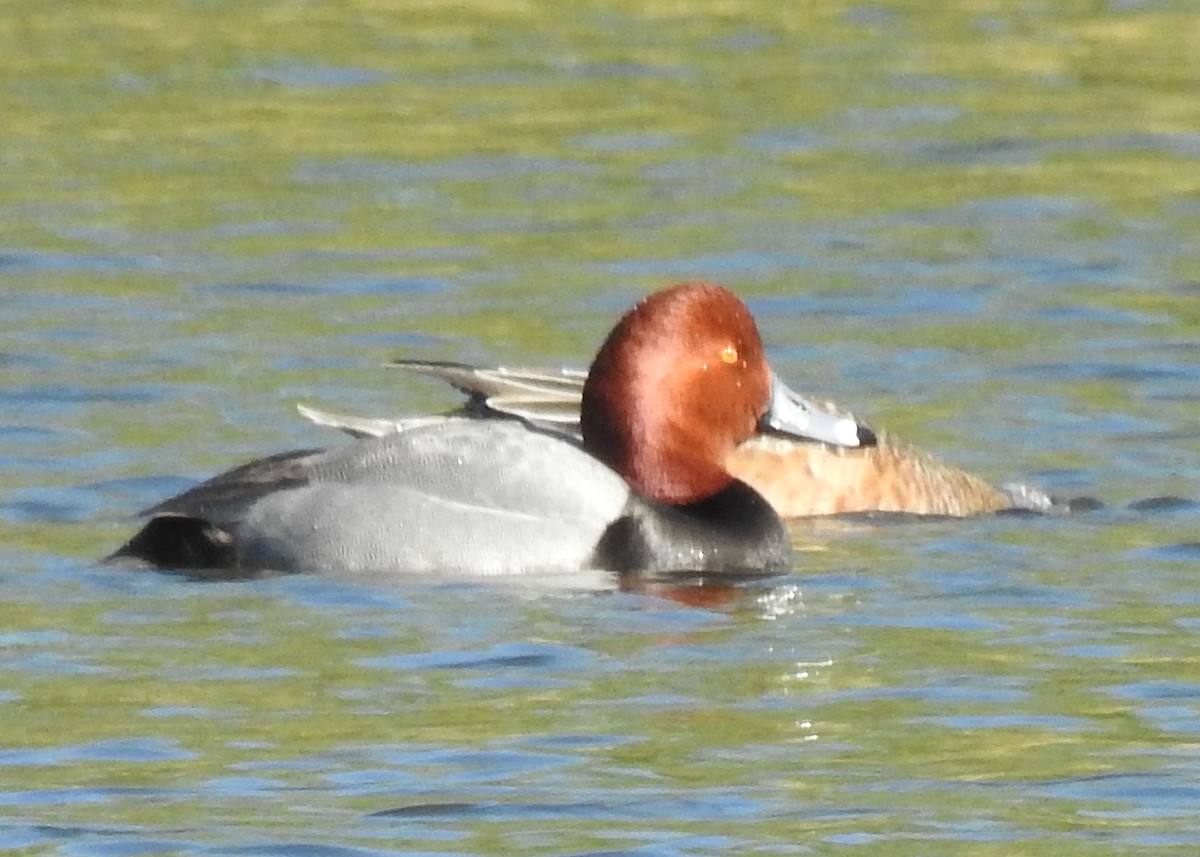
<point x="799" y="476"/>
<point x="677" y="385"/>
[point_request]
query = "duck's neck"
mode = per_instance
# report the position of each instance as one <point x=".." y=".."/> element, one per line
<point x="734" y="532"/>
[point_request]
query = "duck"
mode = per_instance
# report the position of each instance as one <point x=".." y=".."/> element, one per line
<point x="800" y="476"/>
<point x="679" y="383"/>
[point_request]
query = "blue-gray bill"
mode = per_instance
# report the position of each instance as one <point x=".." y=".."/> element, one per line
<point x="793" y="414"/>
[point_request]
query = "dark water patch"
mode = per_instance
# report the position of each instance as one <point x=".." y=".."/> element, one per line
<point x="643" y="804"/>
<point x="495" y="811"/>
<point x="1166" y="505"/>
<point x="999" y="151"/>
<point x="432" y="810"/>
<point x="1078" y="505"/>
<point x="532" y="656"/>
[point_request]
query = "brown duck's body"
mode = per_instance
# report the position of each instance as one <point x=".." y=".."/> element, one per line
<point x="807" y="479"/>
<point x="798" y="478"/>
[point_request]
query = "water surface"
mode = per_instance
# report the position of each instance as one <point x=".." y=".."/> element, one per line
<point x="974" y="225"/>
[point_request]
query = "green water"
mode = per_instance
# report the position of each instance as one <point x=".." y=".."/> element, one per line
<point x="158" y="124"/>
<point x="974" y="223"/>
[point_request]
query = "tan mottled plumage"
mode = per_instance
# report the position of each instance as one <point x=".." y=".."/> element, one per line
<point x="806" y="479"/>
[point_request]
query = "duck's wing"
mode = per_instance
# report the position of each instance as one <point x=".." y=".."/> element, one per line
<point x="499" y="380"/>
<point x="548" y="398"/>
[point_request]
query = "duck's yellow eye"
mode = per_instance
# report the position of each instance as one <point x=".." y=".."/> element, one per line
<point x="729" y="354"/>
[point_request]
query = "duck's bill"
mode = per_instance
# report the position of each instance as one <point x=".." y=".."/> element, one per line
<point x="791" y="413"/>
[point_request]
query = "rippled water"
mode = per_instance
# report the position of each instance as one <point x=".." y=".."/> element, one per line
<point x="975" y="226"/>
